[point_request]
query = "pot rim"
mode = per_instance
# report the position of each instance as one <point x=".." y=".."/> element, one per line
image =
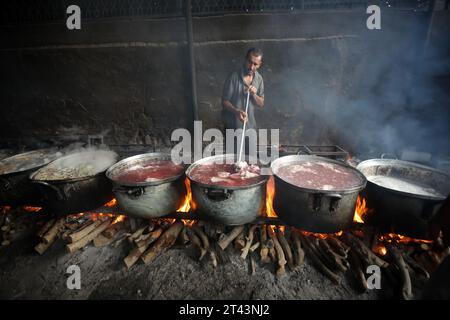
<point x="62" y="181"/>
<point x="151" y="156"/>
<point x="52" y="153"/>
<point x="209" y="186"/>
<point x="372" y="162"/>
<point x="358" y="188"/>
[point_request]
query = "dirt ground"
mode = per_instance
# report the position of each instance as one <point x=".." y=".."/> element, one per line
<point x="176" y="274"/>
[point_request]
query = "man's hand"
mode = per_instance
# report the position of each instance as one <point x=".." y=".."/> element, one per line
<point x="252" y="90"/>
<point x="242" y="116"/>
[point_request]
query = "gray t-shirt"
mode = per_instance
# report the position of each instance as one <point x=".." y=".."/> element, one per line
<point x="233" y="90"/>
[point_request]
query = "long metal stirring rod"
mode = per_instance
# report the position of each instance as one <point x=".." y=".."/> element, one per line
<point x="243" y="129"/>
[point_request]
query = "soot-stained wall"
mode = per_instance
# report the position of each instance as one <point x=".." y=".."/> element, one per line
<point x="328" y="79"/>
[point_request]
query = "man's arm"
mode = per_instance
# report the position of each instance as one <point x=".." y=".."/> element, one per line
<point x="239" y="113"/>
<point x="258" y="94"/>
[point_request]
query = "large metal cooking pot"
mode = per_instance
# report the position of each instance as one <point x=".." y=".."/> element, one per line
<point x="147" y="199"/>
<point x="226" y="205"/>
<point x="323" y="211"/>
<point x="63" y="196"/>
<point x="397" y="209"/>
<point x="15" y="187"/>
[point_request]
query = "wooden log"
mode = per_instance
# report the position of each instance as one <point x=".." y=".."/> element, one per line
<point x="323" y="256"/>
<point x="136" y="233"/>
<point x="248" y="244"/>
<point x="272" y="252"/>
<point x="356" y="266"/>
<point x="314" y="256"/>
<point x="239" y="242"/>
<point x="78" y="235"/>
<point x="195" y="240"/>
<point x="213" y="257"/>
<point x="152" y="236"/>
<point x="72" y="247"/>
<point x="299" y="254"/>
<point x="264" y="250"/>
<point x="137" y="252"/>
<point x="183" y="238"/>
<point x="227" y="239"/>
<point x="165" y="241"/>
<point x="280" y="257"/>
<point x="113" y="229"/>
<point x="45" y="228"/>
<point x="203" y="237"/>
<point x="255" y="246"/>
<point x="415" y="266"/>
<point x="252" y="264"/>
<point x="339" y="261"/>
<point x="102" y="241"/>
<point x="363" y="250"/>
<point x="286" y="249"/>
<point x="338" y="246"/>
<point x="51" y="234"/>
<point x="406" y="290"/>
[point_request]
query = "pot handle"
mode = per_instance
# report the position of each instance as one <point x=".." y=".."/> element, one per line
<point x="334" y="201"/>
<point x="218" y="194"/>
<point x="134" y="192"/>
<point x="315" y="201"/>
<point x="59" y="194"/>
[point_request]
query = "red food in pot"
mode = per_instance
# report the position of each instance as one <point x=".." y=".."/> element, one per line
<point x="220" y="174"/>
<point x="153" y="170"/>
<point x="319" y="175"/>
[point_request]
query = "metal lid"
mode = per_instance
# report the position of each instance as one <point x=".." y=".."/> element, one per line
<point x="99" y="160"/>
<point x="28" y="160"/>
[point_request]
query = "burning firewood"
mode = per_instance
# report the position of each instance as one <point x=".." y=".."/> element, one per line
<point x="72" y="247"/>
<point x="299" y="254"/>
<point x="225" y="241"/>
<point x="363" y="251"/>
<point x="165" y="241"/>
<point x="272" y="251"/>
<point x="248" y="244"/>
<point x="286" y="249"/>
<point x="406" y="290"/>
<point x="280" y="257"/>
<point x="314" y="256"/>
<point x="137" y="252"/>
<point x="85" y="230"/>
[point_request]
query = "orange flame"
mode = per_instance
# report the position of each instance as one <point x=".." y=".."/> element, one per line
<point x="270" y="194"/>
<point x="119" y="218"/>
<point x="322" y="235"/>
<point x="361" y="210"/>
<point x="31" y="209"/>
<point x="111" y="203"/>
<point x="381" y="250"/>
<point x="398" y="238"/>
<point x="188" y="203"/>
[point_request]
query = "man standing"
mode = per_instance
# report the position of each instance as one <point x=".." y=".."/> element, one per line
<point x="235" y="92"/>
